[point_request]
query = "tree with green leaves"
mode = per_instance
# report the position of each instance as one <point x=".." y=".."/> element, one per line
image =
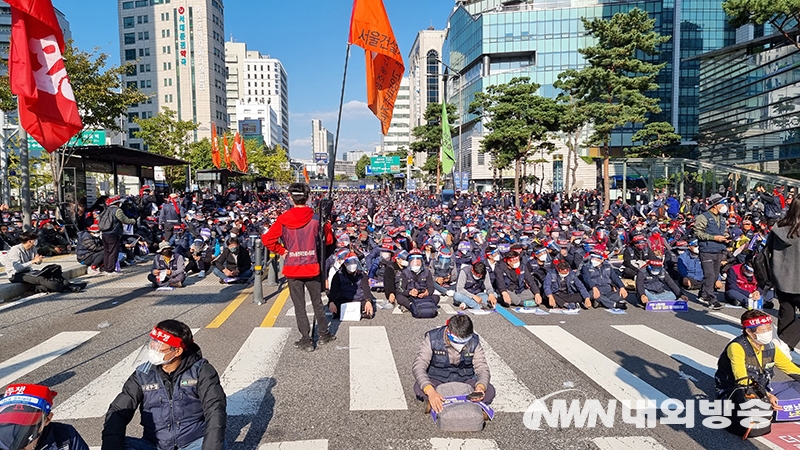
<point x="361" y="166"/>
<point x="783" y="15"/>
<point x="656" y="138"/>
<point x="274" y="166"/>
<point x="165" y="135"/>
<point x="428" y="137"/>
<point x="519" y="123"/>
<point x="612" y="88"/>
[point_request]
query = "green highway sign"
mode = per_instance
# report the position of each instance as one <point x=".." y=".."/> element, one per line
<point x="88" y="137"/>
<point x="385" y="164"/>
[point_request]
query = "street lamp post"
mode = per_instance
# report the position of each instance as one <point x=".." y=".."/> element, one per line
<point x="456" y="74"/>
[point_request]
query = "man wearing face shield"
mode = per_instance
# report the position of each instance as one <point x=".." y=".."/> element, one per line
<point x="653" y="283"/>
<point x="444" y="271"/>
<point x="415" y="282"/>
<point x="603" y="282"/>
<point x="351" y="285"/>
<point x="451" y="353"/>
<point x="745" y="370"/>
<point x="26" y="421"/>
<point x="515" y="283"/>
<point x="178" y="393"/>
<point x="710" y="230"/>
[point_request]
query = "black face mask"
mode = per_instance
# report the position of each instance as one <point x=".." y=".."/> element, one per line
<point x="167" y="253"/>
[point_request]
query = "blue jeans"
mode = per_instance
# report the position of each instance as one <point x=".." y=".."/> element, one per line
<point x="141" y="444"/>
<point x="664" y="296"/>
<point x="242" y="276"/>
<point x="470" y="302"/>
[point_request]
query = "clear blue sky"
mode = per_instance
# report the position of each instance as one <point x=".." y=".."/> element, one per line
<point x="309" y="37"/>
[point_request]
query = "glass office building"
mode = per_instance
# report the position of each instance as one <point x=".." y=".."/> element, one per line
<point x="492" y="41"/>
<point x="750" y="106"/>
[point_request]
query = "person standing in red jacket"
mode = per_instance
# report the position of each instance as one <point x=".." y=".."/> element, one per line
<point x="295" y="235"/>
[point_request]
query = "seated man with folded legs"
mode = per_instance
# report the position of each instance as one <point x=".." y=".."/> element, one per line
<point x="451" y="353"/>
<point x="416" y="282"/>
<point x="474" y="288"/>
<point x="603" y="282"/>
<point x="168" y="267"/>
<point x="564" y="290"/>
<point x="351" y="284"/>
<point x="741" y="285"/>
<point x="654" y="284"/>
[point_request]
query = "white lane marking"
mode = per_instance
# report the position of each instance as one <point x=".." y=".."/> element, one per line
<point x="628" y="443"/>
<point x="318" y="444"/>
<point x="93" y="399"/>
<point x="513" y="395"/>
<point x="616" y="380"/>
<point x="23" y="300"/>
<point x="247" y="378"/>
<point x="671" y="347"/>
<point x="374" y="381"/>
<point x="463" y="444"/>
<point x="30" y="360"/>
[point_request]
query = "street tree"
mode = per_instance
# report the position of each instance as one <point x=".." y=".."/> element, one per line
<point x="428" y="137"/>
<point x="783" y="15"/>
<point x="519" y="123"/>
<point x="657" y="138"/>
<point x="612" y="88"/>
<point x="165" y="135"/>
<point x="361" y="166"/>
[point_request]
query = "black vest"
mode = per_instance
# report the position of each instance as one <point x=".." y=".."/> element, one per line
<point x="173" y="419"/>
<point x="760" y="373"/>
<point x="440" y="367"/>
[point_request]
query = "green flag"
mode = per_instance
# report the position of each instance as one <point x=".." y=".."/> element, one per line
<point x="448" y="156"/>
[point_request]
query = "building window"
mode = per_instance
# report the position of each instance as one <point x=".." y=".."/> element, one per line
<point x="129" y="38"/>
<point x="144" y="35"/>
<point x="166" y="50"/>
<point x="132" y="116"/>
<point x="142" y="19"/>
<point x="127" y="22"/>
<point x="132" y="85"/>
<point x="127" y="5"/>
<point x="433" y="77"/>
<point x="144" y="52"/>
<point x="132" y="133"/>
<point x="130" y="54"/>
<point x="145" y="83"/>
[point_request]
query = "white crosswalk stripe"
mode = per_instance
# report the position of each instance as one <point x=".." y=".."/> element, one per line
<point x="248" y="376"/>
<point x="512" y="394"/>
<point x="628" y="443"/>
<point x="93" y="399"/>
<point x="26" y="362"/>
<point x="616" y="380"/>
<point x="671" y="347"/>
<point x="374" y="380"/>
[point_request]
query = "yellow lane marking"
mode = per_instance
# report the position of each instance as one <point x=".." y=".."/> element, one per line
<point x="223" y="316"/>
<point x="276" y="309"/>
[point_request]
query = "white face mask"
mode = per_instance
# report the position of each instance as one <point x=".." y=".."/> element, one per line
<point x="543" y="257"/>
<point x="351" y="267"/>
<point x="515" y="265"/>
<point x="563" y="275"/>
<point x="402" y="263"/>
<point x="597" y="262"/>
<point x="695" y="250"/>
<point x="577" y="241"/>
<point x="156" y="358"/>
<point x="764" y="338"/>
<point x="477" y="277"/>
<point x="723" y="209"/>
<point x="496" y="258"/>
<point x="458" y="347"/>
<point x="416" y="268"/>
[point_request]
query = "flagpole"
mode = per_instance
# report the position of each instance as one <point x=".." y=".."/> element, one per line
<point x="332" y="164"/>
<point x="25" y="180"/>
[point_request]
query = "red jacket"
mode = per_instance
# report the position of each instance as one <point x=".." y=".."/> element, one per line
<point x="294" y="235"/>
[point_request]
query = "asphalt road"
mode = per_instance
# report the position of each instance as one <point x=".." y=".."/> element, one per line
<point x="356" y="393"/>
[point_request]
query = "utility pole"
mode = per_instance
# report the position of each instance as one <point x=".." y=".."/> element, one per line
<point x="25" y="179"/>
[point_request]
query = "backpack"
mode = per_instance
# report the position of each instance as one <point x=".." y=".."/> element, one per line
<point x="106" y="220"/>
<point x="459" y="417"/>
<point x="424" y="308"/>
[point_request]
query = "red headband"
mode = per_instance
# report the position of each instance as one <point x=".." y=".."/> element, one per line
<point x="756" y="321"/>
<point x="162" y="336"/>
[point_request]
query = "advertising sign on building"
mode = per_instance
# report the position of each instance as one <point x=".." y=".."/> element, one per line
<point x="321" y="158"/>
<point x="249" y="127"/>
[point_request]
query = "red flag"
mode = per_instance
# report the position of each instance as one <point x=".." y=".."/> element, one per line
<point x="238" y="153"/>
<point x="370" y="29"/>
<point x="227" y="152"/>
<point x="47" y="108"/>
<point x="215" y="156"/>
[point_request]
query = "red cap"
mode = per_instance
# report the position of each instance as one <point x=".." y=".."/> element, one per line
<point x="35" y="390"/>
<point x="639" y="238"/>
<point x="112" y="200"/>
<point x="94" y="228"/>
<point x="655" y="263"/>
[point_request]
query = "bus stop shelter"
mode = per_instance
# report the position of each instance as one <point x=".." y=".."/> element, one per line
<point x="217" y="177"/>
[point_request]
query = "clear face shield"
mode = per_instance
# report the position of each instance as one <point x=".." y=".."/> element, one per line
<point x="161" y="348"/>
<point x="22" y="421"/>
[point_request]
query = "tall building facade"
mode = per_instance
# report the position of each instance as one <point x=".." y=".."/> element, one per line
<point x="260" y="119"/>
<point x="257" y="80"/>
<point x="400" y="128"/>
<point x="749" y="97"/>
<point x="178" y="51"/>
<point x="425" y="80"/>
<point x="489" y="42"/>
<point x="322" y="145"/>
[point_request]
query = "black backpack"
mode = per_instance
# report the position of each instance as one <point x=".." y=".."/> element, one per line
<point x="424" y="308"/>
<point x="106" y="220"/>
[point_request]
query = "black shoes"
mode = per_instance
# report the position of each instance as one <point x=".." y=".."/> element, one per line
<point x="326" y="338"/>
<point x="304" y="344"/>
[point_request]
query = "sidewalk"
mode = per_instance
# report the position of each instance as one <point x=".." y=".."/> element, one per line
<point x="71" y="268"/>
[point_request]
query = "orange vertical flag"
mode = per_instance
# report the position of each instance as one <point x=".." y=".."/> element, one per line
<point x="370" y="29"/>
<point x="227" y="152"/>
<point x="238" y="157"/>
<point x="215" y="156"/>
<point x="305" y="175"/>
